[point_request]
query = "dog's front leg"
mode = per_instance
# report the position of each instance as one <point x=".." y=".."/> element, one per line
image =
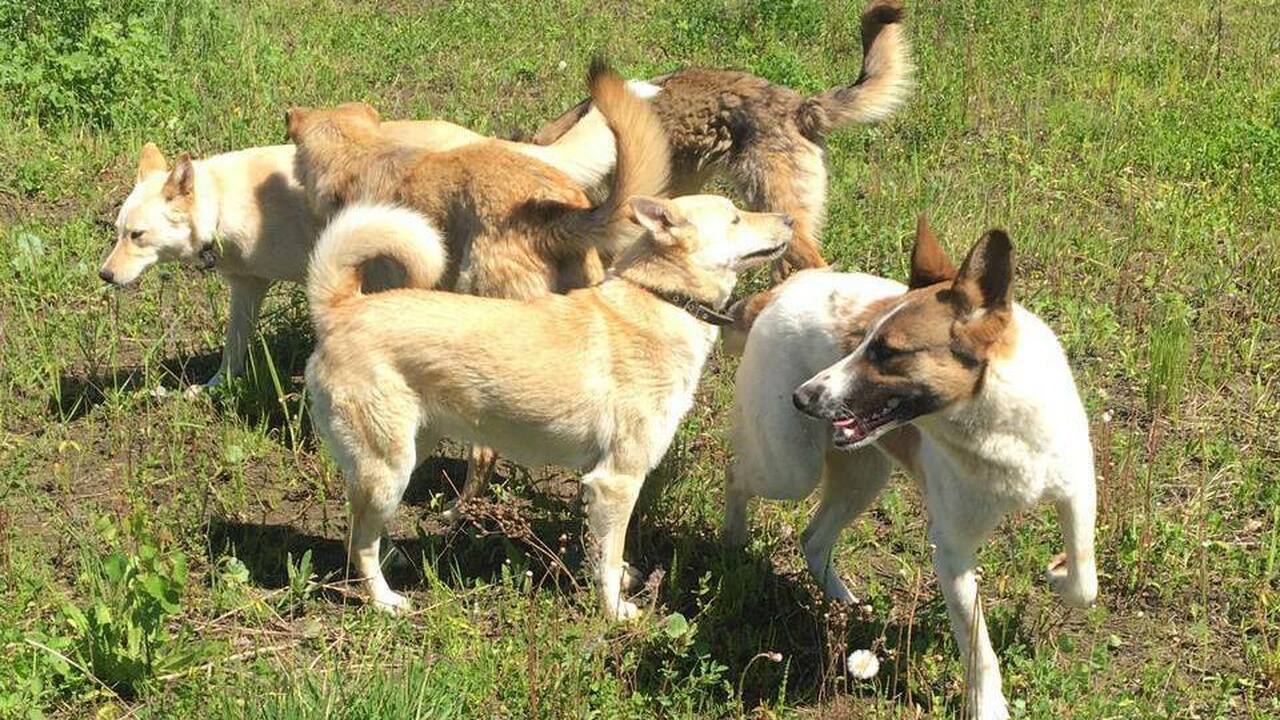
<point x="955" y="568"/>
<point x="1074" y="574"/>
<point x="246" y="299"/>
<point x="609" y="499"/>
<point x="851" y="481"/>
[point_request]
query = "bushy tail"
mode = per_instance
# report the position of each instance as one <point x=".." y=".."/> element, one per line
<point x="359" y="234"/>
<point x="643" y="159"/>
<point x="883" y="85"/>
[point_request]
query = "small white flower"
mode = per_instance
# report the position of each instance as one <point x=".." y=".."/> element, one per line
<point x="562" y="65"/>
<point x="863" y="664"/>
<point x="1106" y="416"/>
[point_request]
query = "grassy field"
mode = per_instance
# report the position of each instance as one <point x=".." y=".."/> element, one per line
<point x="172" y="557"/>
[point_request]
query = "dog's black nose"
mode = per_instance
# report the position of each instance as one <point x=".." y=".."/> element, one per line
<point x="107" y="275"/>
<point x="803" y="398"/>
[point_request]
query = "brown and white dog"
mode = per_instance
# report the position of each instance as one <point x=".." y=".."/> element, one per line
<point x="244" y="213"/>
<point x="965" y="389"/>
<point x="768" y="139"/>
<point x="597" y="379"/>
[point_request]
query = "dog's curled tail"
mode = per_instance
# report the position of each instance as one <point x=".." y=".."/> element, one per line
<point x="744" y="312"/>
<point x="881" y="88"/>
<point x="361" y="233"/>
<point x="643" y="165"/>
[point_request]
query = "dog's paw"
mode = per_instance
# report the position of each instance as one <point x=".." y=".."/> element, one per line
<point x="837" y="591"/>
<point x="624" y="610"/>
<point x="391" y="602"/>
<point x="194" y="391"/>
<point x="826" y="575"/>
<point x="1073" y="591"/>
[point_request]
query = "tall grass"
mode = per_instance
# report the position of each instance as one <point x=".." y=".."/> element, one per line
<point x="1169" y="354"/>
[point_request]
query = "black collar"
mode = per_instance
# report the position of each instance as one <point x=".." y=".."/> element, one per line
<point x="696" y="308"/>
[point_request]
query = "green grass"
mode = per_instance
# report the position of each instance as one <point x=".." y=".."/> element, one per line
<point x="1132" y="150"/>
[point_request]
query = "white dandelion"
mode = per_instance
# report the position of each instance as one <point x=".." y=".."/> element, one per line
<point x="863" y="664"/>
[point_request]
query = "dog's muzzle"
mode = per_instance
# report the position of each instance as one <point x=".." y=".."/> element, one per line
<point x="809" y="399"/>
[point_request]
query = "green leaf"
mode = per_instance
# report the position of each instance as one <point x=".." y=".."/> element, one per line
<point x="675" y="626"/>
<point x="113" y="567"/>
<point x="180" y="569"/>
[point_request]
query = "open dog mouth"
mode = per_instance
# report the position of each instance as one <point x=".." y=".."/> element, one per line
<point x="850" y="430"/>
<point x="767" y="253"/>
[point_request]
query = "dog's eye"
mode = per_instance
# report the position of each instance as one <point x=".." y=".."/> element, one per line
<point x="135" y="235"/>
<point x="878" y="352"/>
<point x="737" y="219"/>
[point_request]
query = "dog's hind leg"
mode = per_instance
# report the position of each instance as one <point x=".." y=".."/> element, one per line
<point x="791" y="179"/>
<point x="851" y="481"/>
<point x="246" y="299"/>
<point x="609" y="498"/>
<point x="375" y="483"/>
<point x="1073" y="575"/>
<point x="480" y="467"/>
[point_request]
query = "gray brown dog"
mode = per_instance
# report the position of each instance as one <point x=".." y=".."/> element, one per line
<point x="769" y="139"/>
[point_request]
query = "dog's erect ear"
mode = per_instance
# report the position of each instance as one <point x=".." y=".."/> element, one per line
<point x="986" y="277"/>
<point x="929" y="262"/>
<point x="348" y="109"/>
<point x="151" y="160"/>
<point x="293" y="119"/>
<point x="656" y="215"/>
<point x="371" y="112"/>
<point x="182" y="181"/>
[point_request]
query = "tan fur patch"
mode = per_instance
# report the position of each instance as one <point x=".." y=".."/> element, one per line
<point x="520" y="227"/>
<point x="491" y="203"/>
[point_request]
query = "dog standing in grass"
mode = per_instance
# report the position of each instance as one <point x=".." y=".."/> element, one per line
<point x="244" y="214"/>
<point x="598" y="378"/>
<point x="513" y="228"/>
<point x="768" y="139"/>
<point x="966" y="390"/>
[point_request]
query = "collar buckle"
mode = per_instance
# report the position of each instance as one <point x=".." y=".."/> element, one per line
<point x="703" y="313"/>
